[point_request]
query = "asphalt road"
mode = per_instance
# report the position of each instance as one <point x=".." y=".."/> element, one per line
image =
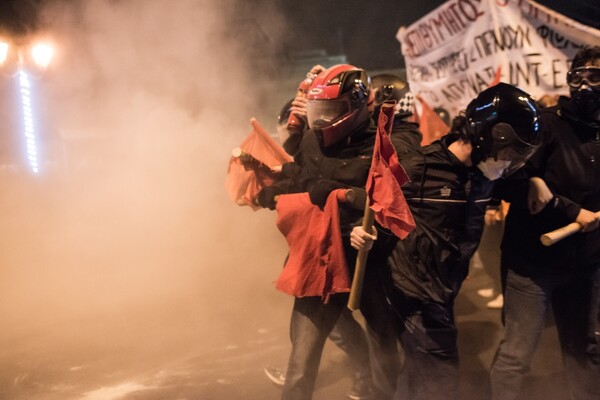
<point x="147" y="355"/>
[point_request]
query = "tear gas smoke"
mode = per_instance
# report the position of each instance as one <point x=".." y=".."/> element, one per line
<point x="128" y="227"/>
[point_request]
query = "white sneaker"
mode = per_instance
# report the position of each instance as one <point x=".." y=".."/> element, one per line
<point x="498" y="302"/>
<point x="276" y="375"/>
<point x="487" y="292"/>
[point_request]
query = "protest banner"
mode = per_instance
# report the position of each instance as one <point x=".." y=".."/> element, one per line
<point x="455" y="51"/>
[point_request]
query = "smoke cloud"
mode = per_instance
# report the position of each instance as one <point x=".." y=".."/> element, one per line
<point x="127" y="235"/>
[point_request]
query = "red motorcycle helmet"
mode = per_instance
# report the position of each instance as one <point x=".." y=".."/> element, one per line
<point x="337" y="103"/>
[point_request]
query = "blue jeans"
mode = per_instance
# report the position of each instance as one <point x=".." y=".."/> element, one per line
<point x="350" y="337"/>
<point x="311" y="323"/>
<point x="574" y="301"/>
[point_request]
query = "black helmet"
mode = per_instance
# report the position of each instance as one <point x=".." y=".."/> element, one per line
<point x="386" y="87"/>
<point x="503" y="122"/>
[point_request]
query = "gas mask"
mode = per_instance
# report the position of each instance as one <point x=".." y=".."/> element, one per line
<point x="493" y="169"/>
<point x="584" y="83"/>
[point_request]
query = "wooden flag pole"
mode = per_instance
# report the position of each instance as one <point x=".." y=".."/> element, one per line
<point x="361" y="262"/>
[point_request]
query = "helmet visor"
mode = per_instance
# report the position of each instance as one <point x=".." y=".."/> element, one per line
<point x="508" y="146"/>
<point x="577" y="76"/>
<point x="322" y="113"/>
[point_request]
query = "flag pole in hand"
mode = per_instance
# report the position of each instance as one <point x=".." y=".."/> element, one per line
<point x="361" y="261"/>
<point x="385" y="201"/>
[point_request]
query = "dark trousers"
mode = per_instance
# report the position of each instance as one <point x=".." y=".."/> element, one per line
<point x="311" y="324"/>
<point x="386" y="356"/>
<point x="575" y="302"/>
<point x="413" y="344"/>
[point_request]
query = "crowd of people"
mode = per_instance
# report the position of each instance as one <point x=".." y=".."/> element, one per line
<point x="505" y="147"/>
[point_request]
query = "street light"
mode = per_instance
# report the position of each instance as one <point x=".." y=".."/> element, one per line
<point x="26" y="59"/>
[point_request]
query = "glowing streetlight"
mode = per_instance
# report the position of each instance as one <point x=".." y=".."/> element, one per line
<point x="3" y="52"/>
<point x="28" y="58"/>
<point x="42" y="53"/>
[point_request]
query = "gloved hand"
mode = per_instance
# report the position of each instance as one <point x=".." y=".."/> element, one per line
<point x="358" y="200"/>
<point x="266" y="197"/>
<point x="319" y="191"/>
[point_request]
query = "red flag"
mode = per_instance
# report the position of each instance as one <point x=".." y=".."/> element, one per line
<point x="430" y="124"/>
<point x="385" y="178"/>
<point x="243" y="185"/>
<point x="316" y="265"/>
<point x="497" y="77"/>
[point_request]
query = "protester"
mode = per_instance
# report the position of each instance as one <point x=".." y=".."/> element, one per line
<point x="451" y="183"/>
<point x="387" y="357"/>
<point x="389" y="87"/>
<point x="335" y="152"/>
<point x="562" y="185"/>
<point x="347" y="333"/>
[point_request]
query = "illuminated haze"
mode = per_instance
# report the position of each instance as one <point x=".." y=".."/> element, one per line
<point x="128" y="234"/>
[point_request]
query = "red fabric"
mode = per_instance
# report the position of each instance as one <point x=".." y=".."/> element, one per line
<point x="243" y="186"/>
<point x="316" y="265"/>
<point x="497" y="77"/>
<point x="385" y="178"/>
<point x="430" y="124"/>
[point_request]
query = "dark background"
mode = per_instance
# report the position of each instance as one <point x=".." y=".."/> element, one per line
<point x="362" y="30"/>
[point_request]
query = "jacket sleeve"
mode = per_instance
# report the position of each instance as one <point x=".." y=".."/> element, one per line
<point x="560" y="206"/>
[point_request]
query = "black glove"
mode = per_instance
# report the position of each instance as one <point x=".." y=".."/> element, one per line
<point x="292" y="143"/>
<point x="266" y="197"/>
<point x="319" y="191"/>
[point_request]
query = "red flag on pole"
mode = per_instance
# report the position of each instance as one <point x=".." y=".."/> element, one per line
<point x="430" y="124"/>
<point x="243" y="185"/>
<point x="387" y="204"/>
<point x="386" y="176"/>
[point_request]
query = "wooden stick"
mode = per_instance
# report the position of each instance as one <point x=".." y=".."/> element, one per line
<point x="548" y="239"/>
<point x="361" y="261"/>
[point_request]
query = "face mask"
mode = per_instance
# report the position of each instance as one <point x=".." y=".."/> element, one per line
<point x="493" y="169"/>
<point x="587" y="103"/>
<point x="584" y="83"/>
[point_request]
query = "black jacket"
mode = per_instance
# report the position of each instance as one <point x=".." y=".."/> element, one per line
<point x="318" y="170"/>
<point x="447" y="200"/>
<point x="569" y="162"/>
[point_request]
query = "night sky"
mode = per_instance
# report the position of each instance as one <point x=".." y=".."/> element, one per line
<point x="363" y="30"/>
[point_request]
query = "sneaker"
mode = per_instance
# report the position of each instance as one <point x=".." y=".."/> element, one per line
<point x="487" y="292"/>
<point x="359" y="391"/>
<point x="276" y="375"/>
<point x="498" y="302"/>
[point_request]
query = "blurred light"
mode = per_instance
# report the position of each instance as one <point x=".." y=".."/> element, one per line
<point x="41" y="54"/>
<point x="30" y="144"/>
<point x="3" y="52"/>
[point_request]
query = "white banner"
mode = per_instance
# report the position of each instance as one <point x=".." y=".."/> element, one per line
<point x="463" y="46"/>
